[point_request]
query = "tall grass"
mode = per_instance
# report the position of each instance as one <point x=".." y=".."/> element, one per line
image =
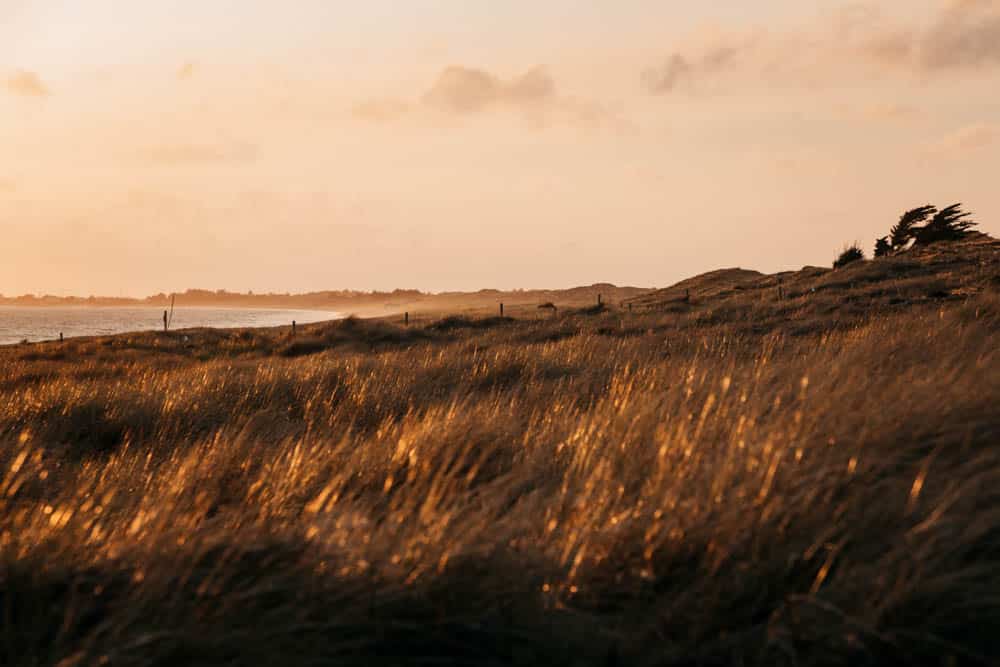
<point x="592" y="489"/>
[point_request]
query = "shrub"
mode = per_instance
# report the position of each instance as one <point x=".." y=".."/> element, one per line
<point x="596" y="309"/>
<point x="456" y="322"/>
<point x="882" y="247"/>
<point x="851" y="254"/>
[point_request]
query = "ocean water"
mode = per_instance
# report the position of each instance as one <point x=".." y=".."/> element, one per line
<point x="45" y="323"/>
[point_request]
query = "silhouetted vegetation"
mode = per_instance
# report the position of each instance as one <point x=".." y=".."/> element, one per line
<point x="905" y="230"/>
<point x="851" y="254"/>
<point x="948" y="224"/>
<point x="882" y="247"/>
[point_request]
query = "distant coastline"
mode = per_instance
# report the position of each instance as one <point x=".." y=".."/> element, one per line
<point x="216" y="299"/>
<point x="344" y="301"/>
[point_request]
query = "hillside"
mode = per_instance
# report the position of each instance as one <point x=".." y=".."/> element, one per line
<point x="940" y="271"/>
<point x="735" y="478"/>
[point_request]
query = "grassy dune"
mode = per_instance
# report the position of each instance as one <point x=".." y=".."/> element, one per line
<point x="733" y="479"/>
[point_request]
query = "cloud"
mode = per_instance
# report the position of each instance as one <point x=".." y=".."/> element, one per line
<point x="188" y="154"/>
<point x="717" y="55"/>
<point x="667" y="77"/>
<point x="463" y="90"/>
<point x="964" y="34"/>
<point x="879" y="112"/>
<point x="26" y="84"/>
<point x="589" y="114"/>
<point x="7" y="186"/>
<point x="845" y="46"/>
<point x="381" y="110"/>
<point x="965" y="140"/>
<point x="967" y="34"/>
<point x="889" y="112"/>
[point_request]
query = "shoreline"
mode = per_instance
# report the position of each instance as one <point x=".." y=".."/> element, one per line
<point x="315" y="316"/>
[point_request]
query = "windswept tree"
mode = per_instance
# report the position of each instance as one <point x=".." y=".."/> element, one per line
<point x="882" y="247"/>
<point x="949" y="224"/>
<point x="906" y="230"/>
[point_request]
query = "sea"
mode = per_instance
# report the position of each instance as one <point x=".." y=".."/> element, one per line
<point x="42" y="323"/>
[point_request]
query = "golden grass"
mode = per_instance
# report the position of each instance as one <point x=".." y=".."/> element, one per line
<point x="721" y="487"/>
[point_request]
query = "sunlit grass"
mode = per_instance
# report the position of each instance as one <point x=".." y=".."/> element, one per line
<point x="600" y="489"/>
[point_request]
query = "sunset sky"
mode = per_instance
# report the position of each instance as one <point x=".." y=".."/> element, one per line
<point x="461" y="144"/>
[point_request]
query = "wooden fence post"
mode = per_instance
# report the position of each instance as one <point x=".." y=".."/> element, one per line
<point x="406" y="319"/>
<point x="293" y="328"/>
<point x="60" y="336"/>
<point x="501" y="309"/>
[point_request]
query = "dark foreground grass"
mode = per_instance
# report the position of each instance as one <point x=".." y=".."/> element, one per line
<point x="735" y="486"/>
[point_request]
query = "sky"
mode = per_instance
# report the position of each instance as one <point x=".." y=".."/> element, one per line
<point x="463" y="144"/>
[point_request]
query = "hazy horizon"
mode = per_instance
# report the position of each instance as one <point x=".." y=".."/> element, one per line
<point x="456" y="146"/>
<point x="275" y="294"/>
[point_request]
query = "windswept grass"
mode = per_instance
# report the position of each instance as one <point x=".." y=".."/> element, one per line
<point x="710" y="488"/>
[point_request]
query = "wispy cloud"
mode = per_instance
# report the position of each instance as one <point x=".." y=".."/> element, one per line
<point x="890" y="112"/>
<point x="464" y="90"/>
<point x="965" y="140"/>
<point x="882" y="112"/>
<point x="381" y="110"/>
<point x="26" y="84"/>
<point x="189" y="154"/>
<point x="855" y="41"/>
<point x="682" y="69"/>
<point x="967" y="34"/>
